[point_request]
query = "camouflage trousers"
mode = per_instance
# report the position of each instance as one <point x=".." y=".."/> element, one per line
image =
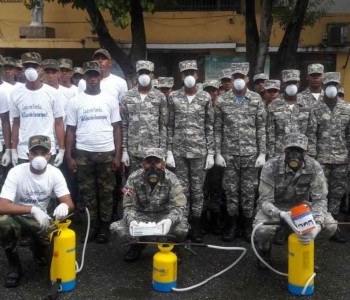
<point x="179" y="229"/>
<point x="265" y="233"/>
<point x="12" y="228"/>
<point x="213" y="190"/>
<point x="191" y="174"/>
<point x="96" y="183"/>
<point x="336" y="175"/>
<point x="240" y="181"/>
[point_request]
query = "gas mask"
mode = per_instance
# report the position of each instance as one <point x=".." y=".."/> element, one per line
<point x="31" y="74"/>
<point x="144" y="80"/>
<point x="294" y="158"/>
<point x="291" y="90"/>
<point x="154" y="175"/>
<point x="39" y="163"/>
<point x="239" y="84"/>
<point x="331" y="91"/>
<point x="189" y="81"/>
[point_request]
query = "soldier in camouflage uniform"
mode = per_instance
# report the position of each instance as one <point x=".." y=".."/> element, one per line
<point x="288" y="113"/>
<point x="258" y="82"/>
<point x="329" y="142"/>
<point x="314" y="81"/>
<point x="152" y="194"/>
<point x="272" y="91"/>
<point x="341" y="93"/>
<point x="240" y="141"/>
<point x="284" y="185"/>
<point x="165" y="85"/>
<point x="226" y="79"/>
<point x="144" y="115"/>
<point x="191" y="140"/>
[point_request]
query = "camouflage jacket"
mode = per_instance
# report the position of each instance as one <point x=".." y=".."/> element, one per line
<point x="144" y="122"/>
<point x="167" y="197"/>
<point x="307" y="96"/>
<point x="282" y="120"/>
<point x="190" y="130"/>
<point x="281" y="188"/>
<point x="329" y="133"/>
<point x="240" y="129"/>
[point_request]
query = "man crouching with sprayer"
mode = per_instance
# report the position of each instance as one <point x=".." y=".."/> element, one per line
<point x="288" y="180"/>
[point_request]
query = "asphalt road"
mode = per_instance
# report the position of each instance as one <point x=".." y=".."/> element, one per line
<point x="106" y="276"/>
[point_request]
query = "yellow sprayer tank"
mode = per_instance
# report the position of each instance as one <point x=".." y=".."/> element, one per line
<point x="63" y="259"/>
<point x="164" y="269"/>
<point x="300" y="266"/>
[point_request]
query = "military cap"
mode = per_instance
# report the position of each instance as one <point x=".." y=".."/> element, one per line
<point x="260" y="76"/>
<point x="315" y="69"/>
<point x="144" y="65"/>
<point x="31" y="57"/>
<point x="39" y="140"/>
<point x="296" y="139"/>
<point x="19" y="63"/>
<point x="50" y="64"/>
<point x="103" y="52"/>
<point x="341" y="90"/>
<point x="188" y="65"/>
<point x="154" y="82"/>
<point x="8" y="61"/>
<point x="225" y="73"/>
<point x="240" y="68"/>
<point x="153" y="152"/>
<point x="290" y="75"/>
<point x="331" y="77"/>
<point x="65" y="63"/>
<point x="78" y="70"/>
<point x="272" y="84"/>
<point x="212" y="83"/>
<point x="167" y="82"/>
<point x="91" y="66"/>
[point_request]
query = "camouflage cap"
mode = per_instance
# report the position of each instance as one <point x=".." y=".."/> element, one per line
<point x="8" y="61"/>
<point x="226" y="73"/>
<point x="50" y="64"/>
<point x="212" y="83"/>
<point x="144" y="65"/>
<point x="331" y="77"/>
<point x="296" y="139"/>
<point x="315" y="69"/>
<point x="260" y="76"/>
<point x="167" y="82"/>
<point x="341" y="90"/>
<point x="19" y="63"/>
<point x="240" y="68"/>
<point x="65" y="63"/>
<point x="39" y="140"/>
<point x="156" y="152"/>
<point x="272" y="84"/>
<point x="188" y="65"/>
<point x="154" y="82"/>
<point x="31" y="57"/>
<point x="103" y="52"/>
<point x="290" y="75"/>
<point x="78" y="70"/>
<point x="91" y="66"/>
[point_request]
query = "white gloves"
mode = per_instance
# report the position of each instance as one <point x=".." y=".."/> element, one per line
<point x="61" y="211"/>
<point x="220" y="161"/>
<point x="306" y="238"/>
<point x="125" y="158"/>
<point x="260" y="161"/>
<point x="170" y="161"/>
<point x="59" y="158"/>
<point x="209" y="162"/>
<point x="132" y="224"/>
<point x="14" y="156"/>
<point x="287" y="216"/>
<point x="6" y="158"/>
<point x="113" y="228"/>
<point x="166" y="223"/>
<point x="41" y="217"/>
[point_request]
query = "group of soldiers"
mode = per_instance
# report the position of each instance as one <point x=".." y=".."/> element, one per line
<point x="212" y="135"/>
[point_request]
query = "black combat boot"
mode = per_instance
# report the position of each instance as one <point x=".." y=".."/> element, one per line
<point x="338" y="237"/>
<point x="247" y="228"/>
<point x="94" y="229"/>
<point x="214" y="223"/>
<point x="134" y="252"/>
<point x="103" y="234"/>
<point x="230" y="232"/>
<point x="40" y="254"/>
<point x="14" y="273"/>
<point x="266" y="256"/>
<point x="195" y="233"/>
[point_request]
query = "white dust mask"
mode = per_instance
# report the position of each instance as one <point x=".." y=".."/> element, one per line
<point x="144" y="80"/>
<point x="190" y="81"/>
<point x="239" y="84"/>
<point x="31" y="74"/>
<point x="39" y="163"/>
<point x="291" y="90"/>
<point x="331" y="91"/>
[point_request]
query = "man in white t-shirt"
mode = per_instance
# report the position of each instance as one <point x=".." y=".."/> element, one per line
<point x="94" y="129"/>
<point x="110" y="83"/>
<point x="66" y="73"/>
<point x="24" y="199"/>
<point x="36" y="108"/>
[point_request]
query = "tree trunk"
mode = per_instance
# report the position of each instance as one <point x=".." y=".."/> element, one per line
<point x="252" y="35"/>
<point x="105" y="39"/>
<point x="287" y="52"/>
<point x="266" y="22"/>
